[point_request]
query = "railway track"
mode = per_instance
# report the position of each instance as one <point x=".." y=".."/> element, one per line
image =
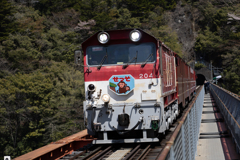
<point x="139" y="151"/>
<point x="117" y="152"/>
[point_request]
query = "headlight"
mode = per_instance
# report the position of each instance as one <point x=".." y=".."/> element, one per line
<point x="105" y="98"/>
<point x="91" y="87"/>
<point x="135" y="35"/>
<point x="103" y="37"/>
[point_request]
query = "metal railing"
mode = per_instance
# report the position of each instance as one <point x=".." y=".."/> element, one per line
<point x="183" y="143"/>
<point x="229" y="105"/>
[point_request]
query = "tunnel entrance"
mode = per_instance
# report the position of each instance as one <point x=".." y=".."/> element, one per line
<point x="200" y="79"/>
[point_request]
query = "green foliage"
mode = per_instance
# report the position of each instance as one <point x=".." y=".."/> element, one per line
<point x="213" y="37"/>
<point x="154" y="19"/>
<point x="214" y="18"/>
<point x="27" y="52"/>
<point x="29" y="21"/>
<point x="24" y="99"/>
<point x="39" y="107"/>
<point x="109" y="13"/>
<point x="219" y="40"/>
<point x="6" y="16"/>
<point x="49" y="6"/>
<point x="141" y="8"/>
<point x="169" y="37"/>
<point x="61" y="45"/>
<point x="125" y="19"/>
<point x="209" y="43"/>
<point x="104" y="21"/>
<point x="66" y="99"/>
<point x="199" y="65"/>
<point x="231" y="62"/>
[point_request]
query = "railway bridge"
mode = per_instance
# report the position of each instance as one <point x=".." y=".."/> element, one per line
<point x="209" y="128"/>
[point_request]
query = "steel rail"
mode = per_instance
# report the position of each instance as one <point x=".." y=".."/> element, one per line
<point x="101" y="153"/>
<point x="132" y="152"/>
<point x="77" y="155"/>
<point x="105" y="154"/>
<point x="144" y="153"/>
<point x="92" y="153"/>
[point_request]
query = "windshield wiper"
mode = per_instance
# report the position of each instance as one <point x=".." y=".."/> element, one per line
<point x="142" y="65"/>
<point x="102" y="61"/>
<point x="125" y="65"/>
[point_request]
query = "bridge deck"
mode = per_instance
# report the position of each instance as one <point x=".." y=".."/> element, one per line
<point x="215" y="142"/>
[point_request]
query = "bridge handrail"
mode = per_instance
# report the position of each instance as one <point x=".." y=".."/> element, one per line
<point x="229" y="92"/>
<point x="229" y="105"/>
<point x="183" y="142"/>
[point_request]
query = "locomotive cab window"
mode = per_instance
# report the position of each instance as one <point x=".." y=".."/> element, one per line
<point x="121" y="53"/>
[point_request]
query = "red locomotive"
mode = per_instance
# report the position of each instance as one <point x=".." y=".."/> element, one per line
<point x="135" y="86"/>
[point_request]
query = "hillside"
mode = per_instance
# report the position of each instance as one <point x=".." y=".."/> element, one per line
<point x="41" y="91"/>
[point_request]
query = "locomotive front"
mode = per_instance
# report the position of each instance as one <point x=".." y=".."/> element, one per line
<point x="123" y="87"/>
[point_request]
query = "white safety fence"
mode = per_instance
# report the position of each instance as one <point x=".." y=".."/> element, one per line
<point x="185" y="144"/>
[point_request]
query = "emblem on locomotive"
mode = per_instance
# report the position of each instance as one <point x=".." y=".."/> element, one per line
<point x="121" y="84"/>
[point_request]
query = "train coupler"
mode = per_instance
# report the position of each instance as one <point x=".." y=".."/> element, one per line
<point x="123" y="119"/>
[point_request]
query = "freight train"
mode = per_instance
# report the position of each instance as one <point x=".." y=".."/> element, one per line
<point x="135" y="86"/>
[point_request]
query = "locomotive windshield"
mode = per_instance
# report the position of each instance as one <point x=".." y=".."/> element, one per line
<point x="121" y="53"/>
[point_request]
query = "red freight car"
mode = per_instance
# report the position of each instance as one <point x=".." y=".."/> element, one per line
<point x="186" y="80"/>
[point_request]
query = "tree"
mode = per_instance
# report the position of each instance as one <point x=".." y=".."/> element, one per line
<point x="48" y="6"/>
<point x="66" y="100"/>
<point x="23" y="101"/>
<point x="8" y="25"/>
<point x="231" y="63"/>
<point x="168" y="37"/>
<point x="40" y="107"/>
<point x="141" y="8"/>
<point x="125" y="19"/>
<point x="208" y="44"/>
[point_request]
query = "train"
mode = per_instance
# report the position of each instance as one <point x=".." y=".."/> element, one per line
<point x="135" y="86"/>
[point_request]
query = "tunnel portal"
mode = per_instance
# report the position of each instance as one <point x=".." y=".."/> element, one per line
<point x="200" y="79"/>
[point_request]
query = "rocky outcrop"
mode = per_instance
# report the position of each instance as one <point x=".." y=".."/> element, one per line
<point x="182" y="21"/>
